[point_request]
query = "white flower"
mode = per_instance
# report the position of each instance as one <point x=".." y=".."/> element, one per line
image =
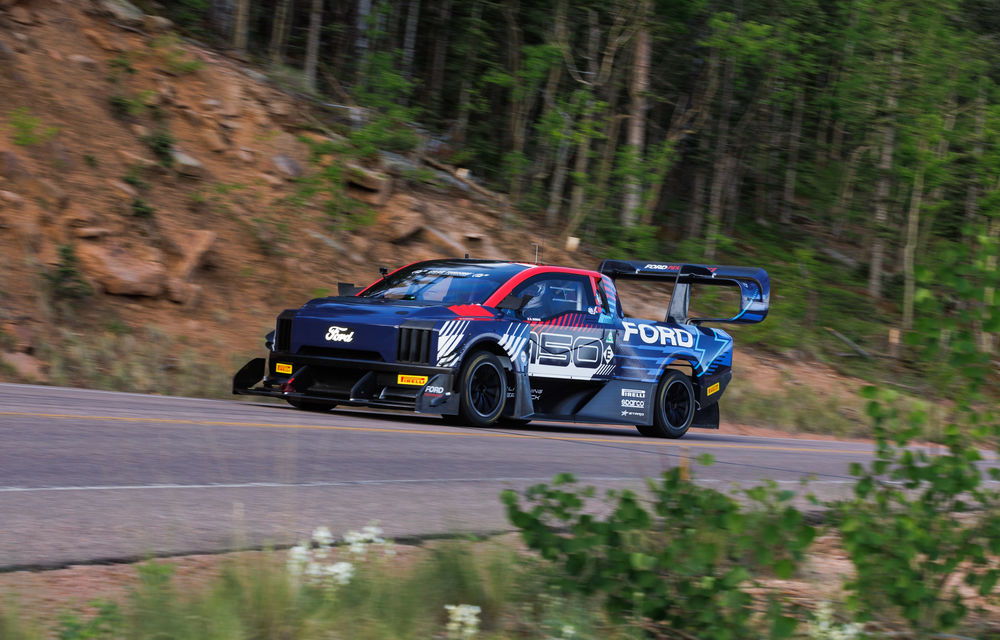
<point x="314" y="571"/>
<point x="823" y="626"/>
<point x="322" y="536"/>
<point x="373" y="533"/>
<point x="298" y="557"/>
<point x="463" y="621"/>
<point x="567" y="631"/>
<point x="340" y="572"/>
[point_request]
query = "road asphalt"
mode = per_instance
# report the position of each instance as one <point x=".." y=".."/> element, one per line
<point x="96" y="476"/>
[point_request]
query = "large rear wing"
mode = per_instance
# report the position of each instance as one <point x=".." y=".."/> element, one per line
<point x="753" y="283"/>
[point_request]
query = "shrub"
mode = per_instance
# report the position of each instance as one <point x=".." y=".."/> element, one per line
<point x="161" y="143"/>
<point x="142" y="209"/>
<point x="28" y="129"/>
<point x="66" y="284"/>
<point x="685" y="566"/>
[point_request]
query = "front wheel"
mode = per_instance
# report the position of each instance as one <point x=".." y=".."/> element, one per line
<point x="673" y="410"/>
<point x="483" y="390"/>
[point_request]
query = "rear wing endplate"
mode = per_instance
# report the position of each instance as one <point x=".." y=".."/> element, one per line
<point x="754" y="285"/>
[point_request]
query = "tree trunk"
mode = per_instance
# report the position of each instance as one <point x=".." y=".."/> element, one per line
<point x="637" y="113"/>
<point x="543" y="157"/>
<point x="910" y="243"/>
<point x="361" y="44"/>
<point x="410" y="37"/>
<point x="988" y="341"/>
<point x="312" y="44"/>
<point x="720" y="175"/>
<point x="439" y="55"/>
<point x="881" y="217"/>
<point x="276" y="50"/>
<point x="582" y="159"/>
<point x="465" y="90"/>
<point x="794" y="142"/>
<point x="972" y="192"/>
<point x="937" y="193"/>
<point x="841" y="210"/>
<point x="241" y="25"/>
<point x="559" y="176"/>
<point x="607" y="161"/>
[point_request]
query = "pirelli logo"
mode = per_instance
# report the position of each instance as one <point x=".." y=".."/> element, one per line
<point x="713" y="389"/>
<point x="282" y="367"/>
<point x="418" y="381"/>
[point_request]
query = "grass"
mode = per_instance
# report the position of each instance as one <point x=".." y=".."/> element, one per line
<point x="29" y="129"/>
<point x="401" y="597"/>
<point x="144" y="361"/>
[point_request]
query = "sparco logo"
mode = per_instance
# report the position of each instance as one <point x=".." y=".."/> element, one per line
<point x="339" y="334"/>
<point x="633" y="393"/>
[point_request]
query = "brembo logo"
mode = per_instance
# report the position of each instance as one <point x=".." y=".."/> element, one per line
<point x="658" y="334"/>
<point x="339" y="334"/>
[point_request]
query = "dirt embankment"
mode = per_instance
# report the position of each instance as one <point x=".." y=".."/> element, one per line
<point x="172" y="172"/>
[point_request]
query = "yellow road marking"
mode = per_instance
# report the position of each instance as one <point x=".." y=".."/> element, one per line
<point x="480" y="434"/>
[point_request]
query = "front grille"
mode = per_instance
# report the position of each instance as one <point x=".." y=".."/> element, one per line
<point x="332" y="352"/>
<point x="414" y="345"/>
<point x="283" y="331"/>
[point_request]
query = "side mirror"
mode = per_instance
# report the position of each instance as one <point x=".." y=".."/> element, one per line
<point x="513" y="302"/>
<point x="347" y="289"/>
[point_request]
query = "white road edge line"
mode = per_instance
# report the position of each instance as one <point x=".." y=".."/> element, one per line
<point x="352" y="483"/>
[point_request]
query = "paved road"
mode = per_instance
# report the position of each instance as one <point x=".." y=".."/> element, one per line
<point x="92" y="475"/>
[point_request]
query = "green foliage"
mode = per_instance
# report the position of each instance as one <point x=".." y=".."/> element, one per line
<point x="28" y="128"/>
<point x="255" y="597"/>
<point x="174" y="56"/>
<point x="684" y="564"/>
<point x="142" y="209"/>
<point x="67" y="286"/>
<point x="105" y="623"/>
<point x="12" y="624"/>
<point x="121" y="65"/>
<point x="385" y="91"/>
<point x="326" y="188"/>
<point x="134" y="178"/>
<point x="161" y="143"/>
<point x="189" y="15"/>
<point x="921" y="523"/>
<point x="91" y="160"/>
<point x="124" y="107"/>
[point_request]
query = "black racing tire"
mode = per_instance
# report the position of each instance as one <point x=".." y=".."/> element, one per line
<point x="482" y="389"/>
<point x="673" y="407"/>
<point x="310" y="405"/>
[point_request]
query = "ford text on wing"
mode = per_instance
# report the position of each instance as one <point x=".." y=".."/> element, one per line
<point x="483" y="342"/>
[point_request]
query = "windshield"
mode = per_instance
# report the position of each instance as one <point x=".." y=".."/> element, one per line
<point x="444" y="282"/>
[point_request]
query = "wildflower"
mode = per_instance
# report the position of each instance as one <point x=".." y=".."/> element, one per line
<point x="322" y="537"/>
<point x="568" y="631"/>
<point x="823" y="626"/>
<point x="298" y="558"/>
<point x="463" y="621"/>
<point x="373" y="533"/>
<point x="340" y="572"/>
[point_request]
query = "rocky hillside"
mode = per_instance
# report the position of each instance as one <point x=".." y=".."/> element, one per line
<point x="160" y="202"/>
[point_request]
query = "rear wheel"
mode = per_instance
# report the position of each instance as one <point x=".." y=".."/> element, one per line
<point x="673" y="409"/>
<point x="483" y="390"/>
<point x="310" y="405"/>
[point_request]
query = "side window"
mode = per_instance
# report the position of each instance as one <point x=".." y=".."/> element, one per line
<point x="554" y="294"/>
